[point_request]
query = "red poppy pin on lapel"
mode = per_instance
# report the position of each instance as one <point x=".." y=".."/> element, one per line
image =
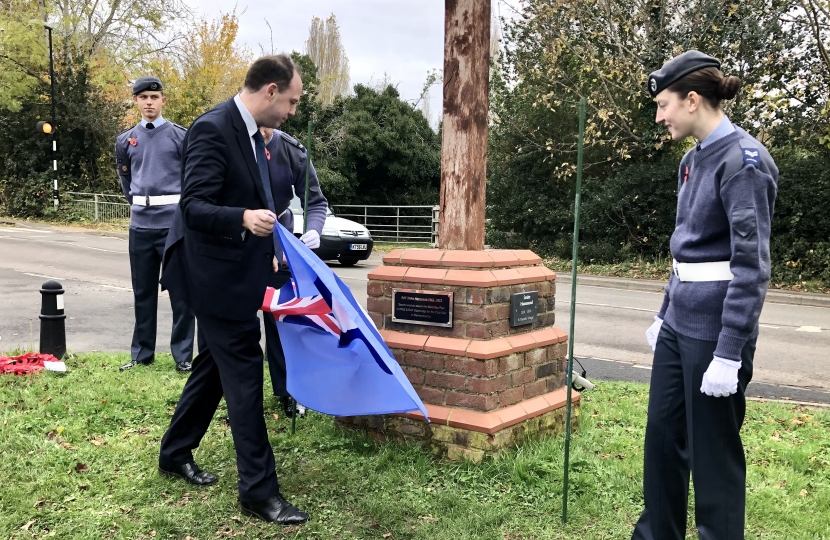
<point x="686" y="176"/>
<point x="267" y="155"/>
<point x="133" y="141"/>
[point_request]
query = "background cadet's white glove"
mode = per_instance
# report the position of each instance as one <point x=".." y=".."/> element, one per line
<point x="653" y="331"/>
<point x="721" y="379"/>
<point x="311" y="239"/>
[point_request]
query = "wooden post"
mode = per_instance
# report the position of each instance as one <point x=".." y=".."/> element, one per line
<point x="464" y="136"/>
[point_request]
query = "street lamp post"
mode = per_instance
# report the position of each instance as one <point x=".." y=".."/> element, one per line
<point x="54" y="125"/>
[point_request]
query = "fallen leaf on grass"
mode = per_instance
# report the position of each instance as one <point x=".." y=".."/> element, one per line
<point x="803" y="492"/>
<point x="276" y="416"/>
<point x="323" y="505"/>
<point x="776" y="436"/>
<point x="387" y="535"/>
<point x="68" y="446"/>
<point x="782" y="483"/>
<point x="97" y="441"/>
<point x="81" y="467"/>
<point x="26" y="526"/>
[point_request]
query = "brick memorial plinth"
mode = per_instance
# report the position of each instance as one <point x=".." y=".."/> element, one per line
<point x="486" y="384"/>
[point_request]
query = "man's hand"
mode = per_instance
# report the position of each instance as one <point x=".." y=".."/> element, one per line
<point x="311" y="239"/>
<point x="653" y="331"/>
<point x="721" y="379"/>
<point x="275" y="264"/>
<point x="259" y="222"/>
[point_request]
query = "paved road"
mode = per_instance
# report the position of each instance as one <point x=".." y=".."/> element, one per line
<point x="94" y="270"/>
<point x="794" y="346"/>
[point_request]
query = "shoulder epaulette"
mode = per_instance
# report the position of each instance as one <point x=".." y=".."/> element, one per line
<point x="291" y="140"/>
<point x="123" y="132"/>
<point x="750" y="154"/>
<point x="178" y="126"/>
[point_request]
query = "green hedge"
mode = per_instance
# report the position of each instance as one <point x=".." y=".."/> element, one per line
<point x="630" y="213"/>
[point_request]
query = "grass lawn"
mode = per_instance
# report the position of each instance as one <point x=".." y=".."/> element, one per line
<point x="78" y="455"/>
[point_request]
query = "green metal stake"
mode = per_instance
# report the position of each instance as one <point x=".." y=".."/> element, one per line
<point x="573" y="306"/>
<point x="305" y="230"/>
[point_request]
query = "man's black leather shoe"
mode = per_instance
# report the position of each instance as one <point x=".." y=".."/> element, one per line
<point x="132" y="363"/>
<point x="190" y="472"/>
<point x="184" y="367"/>
<point x="275" y="510"/>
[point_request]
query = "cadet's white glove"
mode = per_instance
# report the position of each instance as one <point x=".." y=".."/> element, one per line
<point x="311" y="239"/>
<point x="653" y="331"/>
<point x="721" y="379"/>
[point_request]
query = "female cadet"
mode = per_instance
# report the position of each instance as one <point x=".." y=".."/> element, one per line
<point x="704" y="336"/>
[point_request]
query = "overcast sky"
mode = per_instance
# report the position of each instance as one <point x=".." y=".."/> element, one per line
<point x="403" y="38"/>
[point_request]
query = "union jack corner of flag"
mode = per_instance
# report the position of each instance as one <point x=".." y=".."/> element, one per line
<point x="313" y="311"/>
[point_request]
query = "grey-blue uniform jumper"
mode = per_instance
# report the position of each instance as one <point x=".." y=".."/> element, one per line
<point x="727" y="188"/>
<point x="149" y="164"/>
<point x="287" y="167"/>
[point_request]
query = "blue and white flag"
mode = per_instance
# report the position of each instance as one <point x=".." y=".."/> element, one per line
<point x="336" y="361"/>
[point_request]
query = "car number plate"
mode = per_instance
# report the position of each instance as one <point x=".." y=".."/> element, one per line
<point x="358" y="247"/>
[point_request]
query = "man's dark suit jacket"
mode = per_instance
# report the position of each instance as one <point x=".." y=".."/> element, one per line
<point x="210" y="261"/>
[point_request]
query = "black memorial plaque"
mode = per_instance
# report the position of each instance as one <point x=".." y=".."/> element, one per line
<point x="432" y="308"/>
<point x="524" y="307"/>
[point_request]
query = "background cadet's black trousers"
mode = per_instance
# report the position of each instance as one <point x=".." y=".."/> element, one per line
<point x="230" y="366"/>
<point x="273" y="346"/>
<point x="690" y="431"/>
<point x="146" y="249"/>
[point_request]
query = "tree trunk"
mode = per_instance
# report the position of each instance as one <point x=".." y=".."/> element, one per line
<point x="464" y="132"/>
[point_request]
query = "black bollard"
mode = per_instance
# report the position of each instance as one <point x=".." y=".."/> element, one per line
<point x="52" y="320"/>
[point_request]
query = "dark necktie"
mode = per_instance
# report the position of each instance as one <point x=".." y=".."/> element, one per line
<point x="265" y="178"/>
<point x="150" y="125"/>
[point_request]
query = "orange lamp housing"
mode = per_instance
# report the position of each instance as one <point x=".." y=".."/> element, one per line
<point x="45" y="127"/>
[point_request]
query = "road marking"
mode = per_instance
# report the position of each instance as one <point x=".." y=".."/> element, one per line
<point x="107" y="286"/>
<point x="808" y="329"/>
<point x="47" y="277"/>
<point x="71" y="244"/>
<point x="18" y="229"/>
<point x="638" y="366"/>
<point x="769" y="326"/>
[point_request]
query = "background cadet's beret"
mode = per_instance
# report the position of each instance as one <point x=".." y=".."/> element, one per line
<point x="677" y="68"/>
<point x="146" y="83"/>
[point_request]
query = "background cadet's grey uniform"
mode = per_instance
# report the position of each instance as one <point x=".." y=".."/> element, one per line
<point x="287" y="167"/>
<point x="149" y="164"/>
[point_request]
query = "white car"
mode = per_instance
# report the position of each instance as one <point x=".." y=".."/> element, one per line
<point x="343" y="240"/>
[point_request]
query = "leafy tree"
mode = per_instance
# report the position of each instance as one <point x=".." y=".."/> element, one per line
<point x="208" y="69"/>
<point x="326" y="51"/>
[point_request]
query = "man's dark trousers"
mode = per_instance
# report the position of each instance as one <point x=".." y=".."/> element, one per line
<point x="273" y="345"/>
<point x="232" y="361"/>
<point x="146" y="250"/>
<point x="690" y="431"/>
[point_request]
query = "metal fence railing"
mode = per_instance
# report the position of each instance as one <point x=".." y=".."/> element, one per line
<point x="99" y="207"/>
<point x="394" y="224"/>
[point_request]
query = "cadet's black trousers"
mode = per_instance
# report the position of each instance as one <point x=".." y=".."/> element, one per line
<point x="231" y="365"/>
<point x="273" y="346"/>
<point x="690" y="431"/>
<point x="146" y="249"/>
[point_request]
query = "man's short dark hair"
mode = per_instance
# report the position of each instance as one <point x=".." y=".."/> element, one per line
<point x="278" y="69"/>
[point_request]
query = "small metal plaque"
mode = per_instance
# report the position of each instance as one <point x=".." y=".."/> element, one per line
<point x="524" y="307"/>
<point x="432" y="308"/>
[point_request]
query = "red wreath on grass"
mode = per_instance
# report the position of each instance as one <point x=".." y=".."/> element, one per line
<point x="25" y="364"/>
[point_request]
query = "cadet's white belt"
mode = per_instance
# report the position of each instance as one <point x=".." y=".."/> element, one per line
<point x="156" y="200"/>
<point x="708" y="271"/>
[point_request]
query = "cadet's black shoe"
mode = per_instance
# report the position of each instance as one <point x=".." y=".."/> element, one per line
<point x="189" y="472"/>
<point x="184" y="367"/>
<point x="288" y="404"/>
<point x="132" y="363"/>
<point x="275" y="510"/>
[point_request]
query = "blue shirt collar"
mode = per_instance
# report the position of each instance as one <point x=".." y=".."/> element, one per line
<point x="156" y="123"/>
<point x="723" y="129"/>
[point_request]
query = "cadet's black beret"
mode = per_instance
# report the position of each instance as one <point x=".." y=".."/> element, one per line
<point x="677" y="68"/>
<point x="146" y="83"/>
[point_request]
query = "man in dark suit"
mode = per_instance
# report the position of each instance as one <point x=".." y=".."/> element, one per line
<point x="218" y="258"/>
